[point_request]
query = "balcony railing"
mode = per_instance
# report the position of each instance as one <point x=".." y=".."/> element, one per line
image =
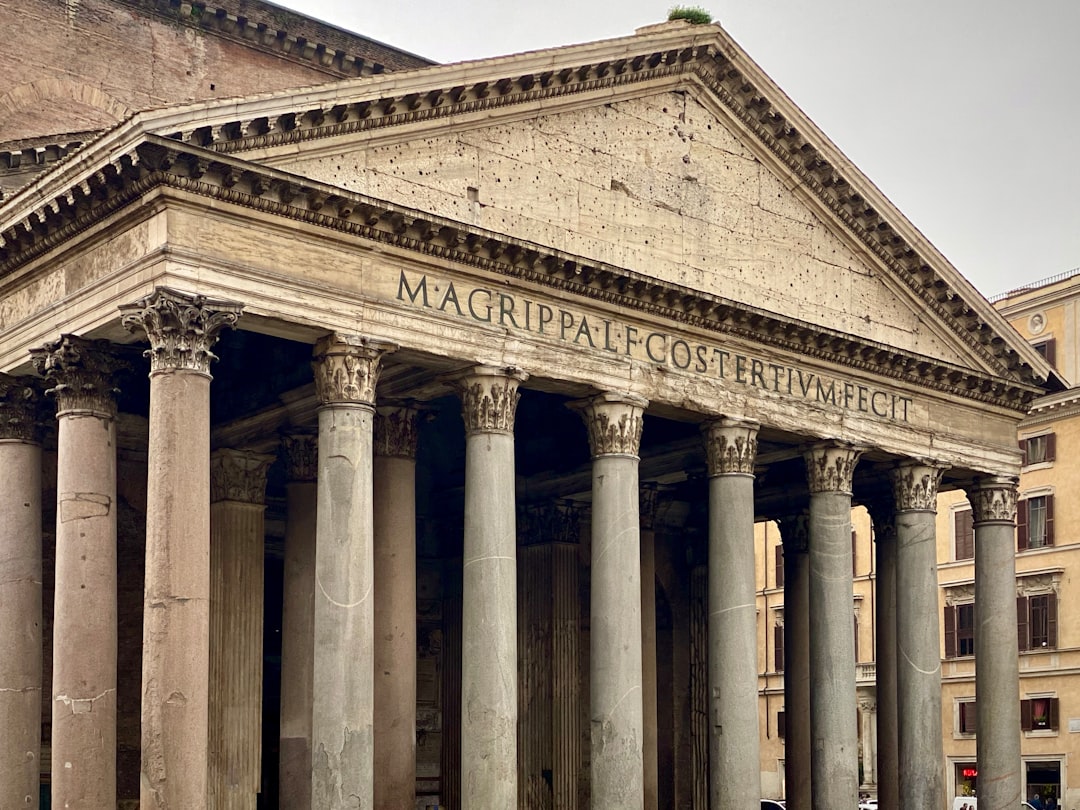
<point x="866" y="673"/>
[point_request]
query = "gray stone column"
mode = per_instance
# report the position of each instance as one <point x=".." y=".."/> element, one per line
<point x="176" y="609"/>
<point x="888" y="741"/>
<point x="647" y="513"/>
<point x="298" y="622"/>
<point x="489" y="699"/>
<point x="834" y="730"/>
<point x="395" y="608"/>
<point x="868" y="713"/>
<point x="237" y="552"/>
<point x="614" y="422"/>
<point x="735" y="767"/>
<point x="918" y="667"/>
<point x="20" y="595"/>
<point x="342" y="737"/>
<point x="795" y="531"/>
<point x="82" y="373"/>
<point x="997" y="677"/>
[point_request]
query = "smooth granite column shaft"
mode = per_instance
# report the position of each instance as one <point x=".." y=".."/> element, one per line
<point x="888" y="741"/>
<point x="176" y="608"/>
<point x="84" y="613"/>
<point x="918" y="673"/>
<point x="298" y="623"/>
<point x="648" y="652"/>
<point x="833" y="718"/>
<point x="997" y="731"/>
<point x="489" y="693"/>
<point x="795" y="532"/>
<point x="20" y="596"/>
<point x="614" y="422"/>
<point x="395" y="608"/>
<point x="342" y="743"/>
<point x="237" y="552"/>
<point x="734" y="765"/>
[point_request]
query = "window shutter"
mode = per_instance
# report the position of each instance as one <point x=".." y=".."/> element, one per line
<point x="781" y="724"/>
<point x="856" y="639"/>
<point x="964" y="532"/>
<point x="1022" y="623"/>
<point x="1054" y="713"/>
<point x="854" y="554"/>
<point x="950" y="631"/>
<point x="1051" y="446"/>
<point x="1050" y="351"/>
<point x="1051" y="620"/>
<point x="1025" y="715"/>
<point x="1049" y="520"/>
<point x="1021" y="525"/>
<point x="1023" y="453"/>
<point x="779" y="566"/>
<point x="778" y="648"/>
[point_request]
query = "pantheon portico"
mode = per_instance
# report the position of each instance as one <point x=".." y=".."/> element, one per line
<point x="461" y="390"/>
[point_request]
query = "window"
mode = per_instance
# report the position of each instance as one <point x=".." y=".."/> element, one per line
<point x="959" y="630"/>
<point x="967" y="716"/>
<point x="781" y="724"/>
<point x="1035" y="522"/>
<point x="1036" y="621"/>
<point x="1039" y="714"/>
<point x="778" y="648"/>
<point x="963" y="535"/>
<point x="854" y="553"/>
<point x="856" y="638"/>
<point x="779" y="566"/>
<point x="1047" y="349"/>
<point x="1039" y="449"/>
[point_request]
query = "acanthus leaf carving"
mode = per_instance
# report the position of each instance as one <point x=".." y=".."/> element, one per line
<point x="82" y="373"/>
<point x="301" y="456"/>
<point x="347" y="369"/>
<point x="396" y="429"/>
<point x="489" y="399"/>
<point x="239" y="475"/>
<point x="730" y="446"/>
<point x="993" y="500"/>
<point x="830" y="467"/>
<point x="19" y="405"/>
<point x="614" y="422"/>
<point x="915" y="487"/>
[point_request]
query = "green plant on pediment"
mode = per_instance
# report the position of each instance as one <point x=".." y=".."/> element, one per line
<point x="695" y="15"/>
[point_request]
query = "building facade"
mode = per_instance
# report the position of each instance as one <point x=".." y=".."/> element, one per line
<point x="400" y="441"/>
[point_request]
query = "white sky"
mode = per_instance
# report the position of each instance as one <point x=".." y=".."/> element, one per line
<point x="965" y="113"/>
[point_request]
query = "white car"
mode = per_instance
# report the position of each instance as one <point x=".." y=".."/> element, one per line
<point x="771" y="804"/>
<point x="868" y="804"/>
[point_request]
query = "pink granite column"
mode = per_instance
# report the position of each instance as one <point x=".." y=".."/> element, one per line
<point x="237" y="551"/>
<point x="395" y="608"/>
<point x="298" y="623"/>
<point x="20" y="595"/>
<point x="182" y="329"/>
<point x="84" y="620"/>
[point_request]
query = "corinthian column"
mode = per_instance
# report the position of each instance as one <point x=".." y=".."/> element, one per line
<point x="237" y="538"/>
<point x="176" y="611"/>
<point x="735" y="770"/>
<point x="614" y="423"/>
<point x="395" y="608"/>
<point x="298" y="622"/>
<point x="84" y="619"/>
<point x="489" y="702"/>
<point x="888" y="742"/>
<point x="834" y="762"/>
<point x="20" y="595"/>
<point x="918" y="659"/>
<point x="997" y="732"/>
<point x="795" y="531"/>
<point x="346" y="373"/>
<point x="647" y="499"/>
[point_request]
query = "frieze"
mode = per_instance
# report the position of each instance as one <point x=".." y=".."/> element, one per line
<point x="396" y="431"/>
<point x="82" y="373"/>
<point x="993" y="500"/>
<point x="730" y="446"/>
<point x="830" y="467"/>
<point x="614" y="422"/>
<point x="962" y="593"/>
<point x="301" y="456"/>
<point x="347" y="369"/>
<point x="915" y="487"/>
<point x="19" y="406"/>
<point x="239" y="475"/>
<point x="1038" y="583"/>
<point x="181" y="328"/>
<point x="489" y="398"/>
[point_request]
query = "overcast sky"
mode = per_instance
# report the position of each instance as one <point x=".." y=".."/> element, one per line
<point x="965" y="113"/>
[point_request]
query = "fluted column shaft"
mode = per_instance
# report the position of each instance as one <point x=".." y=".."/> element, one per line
<point x="997" y="727"/>
<point x="918" y="672"/>
<point x="346" y="373"/>
<point x="237" y="540"/>
<point x="298" y="623"/>
<point x="176" y="609"/>
<point x="833" y="719"/>
<point x="735" y="769"/>
<point x="795" y="531"/>
<point x="489" y="699"/>
<point x="614" y="422"/>
<point x="888" y="741"/>
<point x="20" y="596"/>
<point x="395" y="608"/>
<point x="84" y="616"/>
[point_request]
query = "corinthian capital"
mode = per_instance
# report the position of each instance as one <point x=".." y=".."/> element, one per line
<point x="993" y="500"/>
<point x="614" y="422"/>
<point x="830" y="467"/>
<point x="347" y="369"/>
<point x="915" y="487"/>
<point x="181" y="328"/>
<point x="19" y="409"/>
<point x="489" y="398"/>
<point x="301" y="456"/>
<point x="396" y="431"/>
<point x="730" y="446"/>
<point x="795" y="532"/>
<point x="82" y="373"/>
<point x="239" y="475"/>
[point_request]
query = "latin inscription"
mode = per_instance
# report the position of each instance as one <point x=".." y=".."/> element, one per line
<point x="521" y="314"/>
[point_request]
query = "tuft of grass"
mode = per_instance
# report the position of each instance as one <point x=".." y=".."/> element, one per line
<point x="695" y="15"/>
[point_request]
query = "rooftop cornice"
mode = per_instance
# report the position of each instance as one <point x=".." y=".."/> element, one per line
<point x="158" y="161"/>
